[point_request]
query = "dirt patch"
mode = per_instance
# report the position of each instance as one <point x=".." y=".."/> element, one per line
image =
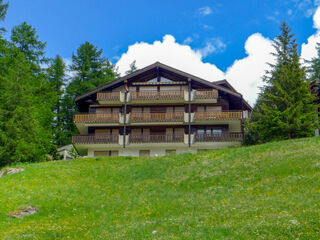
<point x="9" y="171"/>
<point x="24" y="212"/>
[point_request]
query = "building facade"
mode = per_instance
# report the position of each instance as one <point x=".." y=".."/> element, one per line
<point x="159" y="110"/>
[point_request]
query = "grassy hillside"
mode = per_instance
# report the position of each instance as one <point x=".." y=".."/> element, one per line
<point x="270" y="191"/>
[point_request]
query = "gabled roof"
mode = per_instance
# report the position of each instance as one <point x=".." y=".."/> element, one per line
<point x="217" y="85"/>
<point x="225" y="84"/>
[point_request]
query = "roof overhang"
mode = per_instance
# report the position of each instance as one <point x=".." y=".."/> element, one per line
<point x="217" y="85"/>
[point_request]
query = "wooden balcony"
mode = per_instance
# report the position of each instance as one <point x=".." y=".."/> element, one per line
<point x="95" y="139"/>
<point x="157" y="117"/>
<point x="223" y="115"/>
<point x="156" y="138"/>
<point x="108" y="96"/>
<point x="96" y="118"/>
<point x="224" y="137"/>
<point x="154" y="95"/>
<point x="212" y="94"/>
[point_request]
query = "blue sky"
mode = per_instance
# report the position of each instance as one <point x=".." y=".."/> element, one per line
<point x="218" y="30"/>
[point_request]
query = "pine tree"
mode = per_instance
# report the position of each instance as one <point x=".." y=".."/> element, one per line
<point x="133" y="67"/>
<point x="57" y="78"/>
<point x="314" y="68"/>
<point x="23" y="134"/>
<point x="314" y="75"/>
<point x="25" y="37"/>
<point x="285" y="108"/>
<point x="90" y="70"/>
<point x="3" y="12"/>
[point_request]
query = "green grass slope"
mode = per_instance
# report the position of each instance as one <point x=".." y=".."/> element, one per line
<point x="271" y="191"/>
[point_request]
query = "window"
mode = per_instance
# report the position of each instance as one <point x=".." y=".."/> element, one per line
<point x="165" y="80"/>
<point x="105" y="153"/>
<point x="200" y="131"/>
<point x="114" y="153"/>
<point x="153" y="80"/>
<point x="208" y="131"/>
<point x="217" y="132"/>
<point x="170" y="151"/>
<point x="100" y="153"/>
<point x="144" y="153"/>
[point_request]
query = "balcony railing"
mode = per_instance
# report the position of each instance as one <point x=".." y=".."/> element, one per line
<point x="95" y="139"/>
<point x="156" y="138"/>
<point x="108" y="96"/>
<point x="157" y="117"/>
<point x="96" y="117"/>
<point x="213" y="94"/>
<point x="224" y="115"/>
<point x="224" y="137"/>
<point x="154" y="95"/>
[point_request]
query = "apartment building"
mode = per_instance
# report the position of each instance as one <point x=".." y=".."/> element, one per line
<point x="159" y="110"/>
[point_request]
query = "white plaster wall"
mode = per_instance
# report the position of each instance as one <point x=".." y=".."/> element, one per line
<point x="160" y="151"/>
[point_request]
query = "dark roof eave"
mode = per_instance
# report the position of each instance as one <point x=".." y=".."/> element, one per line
<point x="116" y="81"/>
<point x="158" y="64"/>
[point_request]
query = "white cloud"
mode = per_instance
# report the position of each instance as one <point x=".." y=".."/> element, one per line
<point x="188" y="40"/>
<point x="68" y="62"/>
<point x="244" y="74"/>
<point x="308" y="7"/>
<point x="169" y="52"/>
<point x="205" y="26"/>
<point x="308" y="50"/>
<point x="204" y="11"/>
<point x="273" y="19"/>
<point x="212" y="45"/>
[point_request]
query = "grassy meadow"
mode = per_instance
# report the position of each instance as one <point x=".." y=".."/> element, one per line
<point x="270" y="191"/>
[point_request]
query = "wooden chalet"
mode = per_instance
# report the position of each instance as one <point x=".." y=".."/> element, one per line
<point x="159" y="110"/>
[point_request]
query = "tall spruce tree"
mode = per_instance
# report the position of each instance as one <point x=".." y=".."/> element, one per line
<point x="26" y="100"/>
<point x="57" y="79"/>
<point x="314" y="68"/>
<point x="314" y="74"/>
<point x="24" y="136"/>
<point x="25" y="37"/>
<point x="89" y="70"/>
<point x="285" y="108"/>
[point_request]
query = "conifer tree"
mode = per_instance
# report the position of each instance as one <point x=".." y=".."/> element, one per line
<point x="3" y="12"/>
<point x="24" y="136"/>
<point x="314" y="75"/>
<point x="285" y="108"/>
<point x="57" y="78"/>
<point x="90" y="70"/>
<point x="314" y="68"/>
<point x="25" y="37"/>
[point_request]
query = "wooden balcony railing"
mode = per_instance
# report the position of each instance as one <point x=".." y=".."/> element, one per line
<point x="156" y="138"/>
<point x="108" y="96"/>
<point x="213" y="94"/>
<point x="224" y="137"/>
<point x="96" y="117"/>
<point x="224" y="115"/>
<point x="95" y="139"/>
<point x="154" y="95"/>
<point x="157" y="117"/>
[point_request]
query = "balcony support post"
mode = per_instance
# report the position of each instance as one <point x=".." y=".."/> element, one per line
<point x="158" y="79"/>
<point x="125" y="114"/>
<point x="189" y="111"/>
